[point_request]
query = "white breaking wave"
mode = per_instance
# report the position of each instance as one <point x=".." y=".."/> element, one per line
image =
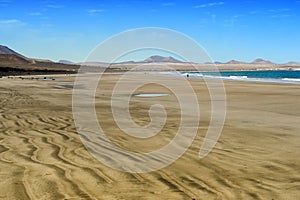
<point x="242" y="78"/>
<point x="238" y="77"/>
<point x="291" y="79"/>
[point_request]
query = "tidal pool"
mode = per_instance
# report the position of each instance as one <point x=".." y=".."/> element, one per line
<point x="151" y="95"/>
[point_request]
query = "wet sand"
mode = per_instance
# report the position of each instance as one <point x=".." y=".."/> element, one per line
<point x="42" y="156"/>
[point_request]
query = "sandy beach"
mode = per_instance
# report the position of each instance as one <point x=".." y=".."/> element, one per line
<point x="42" y="156"/>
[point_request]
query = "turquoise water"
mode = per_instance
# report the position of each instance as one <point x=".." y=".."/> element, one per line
<point x="283" y="76"/>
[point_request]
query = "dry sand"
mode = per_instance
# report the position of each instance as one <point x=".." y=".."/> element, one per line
<point x="42" y="156"/>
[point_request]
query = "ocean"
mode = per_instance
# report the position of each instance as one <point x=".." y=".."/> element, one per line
<point x="278" y="76"/>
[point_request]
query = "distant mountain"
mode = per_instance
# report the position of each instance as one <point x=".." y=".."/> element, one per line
<point x="217" y="62"/>
<point x="292" y="63"/>
<point x="13" y="63"/>
<point x="7" y="51"/>
<point x="157" y="58"/>
<point x="261" y="61"/>
<point x="9" y="57"/>
<point x="235" y="62"/>
<point x="6" y="59"/>
<point x="65" y="62"/>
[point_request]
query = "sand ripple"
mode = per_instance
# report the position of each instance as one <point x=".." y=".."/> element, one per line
<point x="42" y="157"/>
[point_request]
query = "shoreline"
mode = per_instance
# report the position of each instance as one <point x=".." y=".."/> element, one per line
<point x="192" y="75"/>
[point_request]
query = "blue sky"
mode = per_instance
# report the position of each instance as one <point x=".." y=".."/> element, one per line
<point x="66" y="29"/>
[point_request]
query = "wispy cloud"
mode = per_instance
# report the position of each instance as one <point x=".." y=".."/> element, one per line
<point x="35" y="14"/>
<point x="95" y="11"/>
<point x="168" y="4"/>
<point x="54" y="6"/>
<point x="273" y="13"/>
<point x="9" y="21"/>
<point x="210" y="4"/>
<point x="279" y="10"/>
<point x="281" y="16"/>
<point x="12" y="22"/>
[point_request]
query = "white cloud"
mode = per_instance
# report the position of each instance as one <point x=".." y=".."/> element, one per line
<point x="201" y="6"/>
<point x="168" y="4"/>
<point x="95" y="11"/>
<point x="9" y="21"/>
<point x="209" y="4"/>
<point x="54" y="6"/>
<point x="280" y="13"/>
<point x="12" y="22"/>
<point x="215" y="4"/>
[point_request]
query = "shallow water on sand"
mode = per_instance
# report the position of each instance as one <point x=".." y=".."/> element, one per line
<point x="151" y="95"/>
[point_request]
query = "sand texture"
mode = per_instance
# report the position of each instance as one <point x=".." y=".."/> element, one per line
<point x="42" y="156"/>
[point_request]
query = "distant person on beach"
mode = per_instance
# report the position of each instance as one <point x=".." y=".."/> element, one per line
<point x="187" y="75"/>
